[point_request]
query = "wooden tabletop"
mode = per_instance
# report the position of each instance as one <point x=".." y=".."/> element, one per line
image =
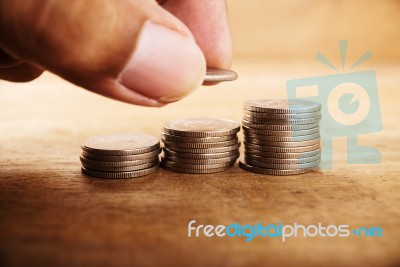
<point x="52" y="215"/>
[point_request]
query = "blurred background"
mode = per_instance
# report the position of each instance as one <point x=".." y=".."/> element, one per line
<point x="298" y="29"/>
<point x="274" y="41"/>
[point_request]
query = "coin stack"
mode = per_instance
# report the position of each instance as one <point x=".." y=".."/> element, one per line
<point x="281" y="137"/>
<point x="200" y="145"/>
<point x="120" y="155"/>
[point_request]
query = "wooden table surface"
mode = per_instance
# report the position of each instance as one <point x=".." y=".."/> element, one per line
<point x="52" y="215"/>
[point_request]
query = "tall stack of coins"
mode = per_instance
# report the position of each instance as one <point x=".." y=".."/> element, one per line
<point x="120" y="156"/>
<point x="281" y="137"/>
<point x="200" y="145"/>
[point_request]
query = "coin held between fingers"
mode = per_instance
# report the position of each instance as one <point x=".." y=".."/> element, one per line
<point x="219" y="75"/>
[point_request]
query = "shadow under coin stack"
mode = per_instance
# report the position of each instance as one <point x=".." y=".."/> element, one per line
<point x="200" y="145"/>
<point x="281" y="137"/>
<point x="120" y="155"/>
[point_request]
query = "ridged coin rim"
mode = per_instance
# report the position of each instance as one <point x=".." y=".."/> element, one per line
<point x="250" y="147"/>
<point x="219" y="75"/>
<point x="289" y="161"/>
<point x="293" y="105"/>
<point x="199" y="145"/>
<point x="204" y="150"/>
<point x="202" y="161"/>
<point x="264" y="132"/>
<point x="119" y="175"/>
<point x="166" y="162"/>
<point x="280" y="127"/>
<point x="283" y="155"/>
<point x="200" y="156"/>
<point x="90" y="143"/>
<point x="282" y="116"/>
<point x="146" y="155"/>
<point x="275" y="138"/>
<point x="121" y="169"/>
<point x="213" y="139"/>
<point x="118" y="164"/>
<point x="231" y="127"/>
<point x="274" y="172"/>
<point x="281" y="121"/>
<point x="191" y="171"/>
<point x="282" y="143"/>
<point x="282" y="166"/>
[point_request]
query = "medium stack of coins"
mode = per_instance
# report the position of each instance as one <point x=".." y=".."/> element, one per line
<point x="281" y="137"/>
<point x="200" y="145"/>
<point x="120" y="155"/>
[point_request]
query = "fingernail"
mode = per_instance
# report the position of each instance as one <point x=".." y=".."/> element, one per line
<point x="165" y="66"/>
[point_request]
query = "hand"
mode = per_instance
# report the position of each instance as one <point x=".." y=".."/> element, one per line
<point x="134" y="51"/>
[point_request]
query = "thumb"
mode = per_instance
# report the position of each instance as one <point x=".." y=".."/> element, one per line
<point x="130" y="50"/>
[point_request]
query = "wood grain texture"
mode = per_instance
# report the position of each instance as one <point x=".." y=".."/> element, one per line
<point x="52" y="215"/>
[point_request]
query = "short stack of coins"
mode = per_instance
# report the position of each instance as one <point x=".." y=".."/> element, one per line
<point x="200" y="145"/>
<point x="120" y="155"/>
<point x="281" y="137"/>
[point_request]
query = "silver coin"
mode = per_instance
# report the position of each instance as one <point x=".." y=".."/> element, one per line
<point x="280" y="166"/>
<point x="249" y="157"/>
<point x="191" y="171"/>
<point x="282" y="105"/>
<point x="282" y="116"/>
<point x="148" y="155"/>
<point x="281" y="138"/>
<point x="119" y="175"/>
<point x="264" y="132"/>
<point x="112" y="164"/>
<point x="219" y="75"/>
<point x="199" y="145"/>
<point x="280" y="127"/>
<point x="205" y="150"/>
<point x="214" y="139"/>
<point x="171" y="153"/>
<point x="120" y="144"/>
<point x="88" y="166"/>
<point x="185" y="166"/>
<point x="283" y="155"/>
<point x="282" y="144"/>
<point x="281" y="121"/>
<point x="250" y="147"/>
<point x="201" y="127"/>
<point x="202" y="161"/>
<point x="259" y="170"/>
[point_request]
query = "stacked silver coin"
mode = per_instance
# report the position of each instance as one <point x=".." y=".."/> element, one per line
<point x="120" y="156"/>
<point x="200" y="145"/>
<point x="281" y="137"/>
